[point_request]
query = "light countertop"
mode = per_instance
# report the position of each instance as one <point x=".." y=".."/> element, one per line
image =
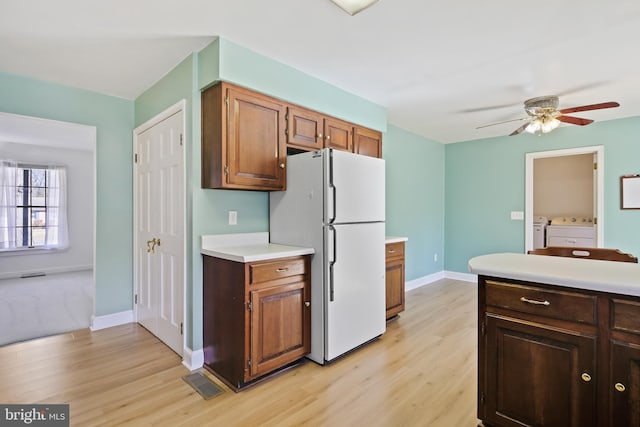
<point x="606" y="276"/>
<point x="392" y="239"/>
<point x="247" y="247"/>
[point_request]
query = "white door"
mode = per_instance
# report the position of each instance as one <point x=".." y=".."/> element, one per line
<point x="159" y="227"/>
<point x="355" y="288"/>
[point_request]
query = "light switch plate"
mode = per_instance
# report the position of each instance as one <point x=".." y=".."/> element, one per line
<point x="233" y="217"/>
<point x="517" y="215"/>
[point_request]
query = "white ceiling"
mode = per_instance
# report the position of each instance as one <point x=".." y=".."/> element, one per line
<point x="431" y="64"/>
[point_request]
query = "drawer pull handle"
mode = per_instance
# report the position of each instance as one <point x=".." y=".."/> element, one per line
<point x="620" y="387"/>
<point x="282" y="270"/>
<point x="392" y="251"/>
<point x="532" y="301"/>
<point x="586" y="377"/>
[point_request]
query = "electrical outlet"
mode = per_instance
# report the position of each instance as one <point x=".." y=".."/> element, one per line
<point x="233" y="217"/>
<point x="435" y="257"/>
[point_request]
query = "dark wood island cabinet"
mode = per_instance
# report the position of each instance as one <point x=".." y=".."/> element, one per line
<point x="554" y="355"/>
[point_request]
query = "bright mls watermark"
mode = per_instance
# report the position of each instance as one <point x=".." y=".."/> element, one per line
<point x="55" y="415"/>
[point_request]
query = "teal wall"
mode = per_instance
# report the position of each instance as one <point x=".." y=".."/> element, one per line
<point x="485" y="181"/>
<point x="113" y="118"/>
<point x="415" y="198"/>
<point x="236" y="64"/>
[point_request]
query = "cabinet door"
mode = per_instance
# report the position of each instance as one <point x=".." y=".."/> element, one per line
<point x="395" y="287"/>
<point x="280" y="326"/>
<point x="367" y="142"/>
<point x="537" y="375"/>
<point x="256" y="149"/>
<point x="304" y="129"/>
<point x="338" y="134"/>
<point x="624" y="385"/>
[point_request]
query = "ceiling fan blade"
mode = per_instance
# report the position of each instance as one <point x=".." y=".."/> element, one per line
<point x="487" y="108"/>
<point x="499" y="123"/>
<point x="519" y="130"/>
<point x="574" y="120"/>
<point x="590" y="107"/>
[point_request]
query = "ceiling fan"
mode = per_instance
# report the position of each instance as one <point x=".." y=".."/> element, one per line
<point x="544" y="116"/>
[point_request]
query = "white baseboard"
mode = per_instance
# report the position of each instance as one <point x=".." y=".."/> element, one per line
<point x="432" y="278"/>
<point x="422" y="281"/>
<point x="465" y="277"/>
<point x="109" y="320"/>
<point x="192" y="359"/>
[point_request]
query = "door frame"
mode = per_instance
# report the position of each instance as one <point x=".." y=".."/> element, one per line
<point x="175" y="108"/>
<point x="598" y="151"/>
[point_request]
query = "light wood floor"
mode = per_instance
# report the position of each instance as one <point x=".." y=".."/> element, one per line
<point x="421" y="372"/>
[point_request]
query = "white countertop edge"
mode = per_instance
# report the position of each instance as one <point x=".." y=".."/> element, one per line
<point x="251" y="253"/>
<point x="605" y="276"/>
<point x="247" y="247"/>
<point x="393" y="239"/>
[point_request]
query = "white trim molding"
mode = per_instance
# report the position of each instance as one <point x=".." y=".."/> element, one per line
<point x="423" y="281"/>
<point x="192" y="359"/>
<point x="109" y="320"/>
<point x="465" y="277"/>
<point x="432" y="278"/>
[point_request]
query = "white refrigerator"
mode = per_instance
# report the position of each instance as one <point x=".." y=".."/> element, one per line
<point x="335" y="203"/>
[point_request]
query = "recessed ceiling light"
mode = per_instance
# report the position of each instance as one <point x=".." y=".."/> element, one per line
<point x="354" y="6"/>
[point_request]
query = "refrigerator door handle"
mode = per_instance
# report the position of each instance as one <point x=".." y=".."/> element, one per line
<point x="332" y="187"/>
<point x="333" y="261"/>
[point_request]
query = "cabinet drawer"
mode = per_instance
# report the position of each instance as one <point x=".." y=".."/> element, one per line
<point x="273" y="270"/>
<point x="625" y="315"/>
<point x="551" y="303"/>
<point x="394" y="250"/>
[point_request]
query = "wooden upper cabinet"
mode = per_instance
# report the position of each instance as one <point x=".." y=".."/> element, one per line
<point x="243" y="139"/>
<point x="367" y="142"/>
<point x="338" y="134"/>
<point x="304" y="129"/>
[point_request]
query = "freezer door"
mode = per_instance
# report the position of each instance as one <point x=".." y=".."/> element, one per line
<point x="354" y="286"/>
<point x="355" y="188"/>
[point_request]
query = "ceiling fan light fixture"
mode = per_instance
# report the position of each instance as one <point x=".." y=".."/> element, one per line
<point x="542" y="125"/>
<point x="354" y="6"/>
<point x="549" y="125"/>
<point x="534" y="126"/>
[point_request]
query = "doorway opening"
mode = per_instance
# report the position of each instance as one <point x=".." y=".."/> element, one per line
<point x="568" y="156"/>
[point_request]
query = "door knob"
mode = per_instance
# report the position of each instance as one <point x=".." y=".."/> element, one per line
<point x="281" y="165"/>
<point x="151" y="245"/>
<point x="307" y="303"/>
<point x="620" y="387"/>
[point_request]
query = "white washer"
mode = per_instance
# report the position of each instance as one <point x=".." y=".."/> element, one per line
<point x="539" y="230"/>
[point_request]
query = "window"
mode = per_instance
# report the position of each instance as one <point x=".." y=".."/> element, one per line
<point x="33" y="207"/>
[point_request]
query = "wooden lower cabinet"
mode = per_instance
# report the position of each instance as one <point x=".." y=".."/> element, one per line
<point x="535" y="363"/>
<point x="552" y="356"/>
<point x="624" y="385"/>
<point x="394" y="278"/>
<point x="257" y="317"/>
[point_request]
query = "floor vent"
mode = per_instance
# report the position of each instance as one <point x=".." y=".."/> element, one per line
<point x="203" y="385"/>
